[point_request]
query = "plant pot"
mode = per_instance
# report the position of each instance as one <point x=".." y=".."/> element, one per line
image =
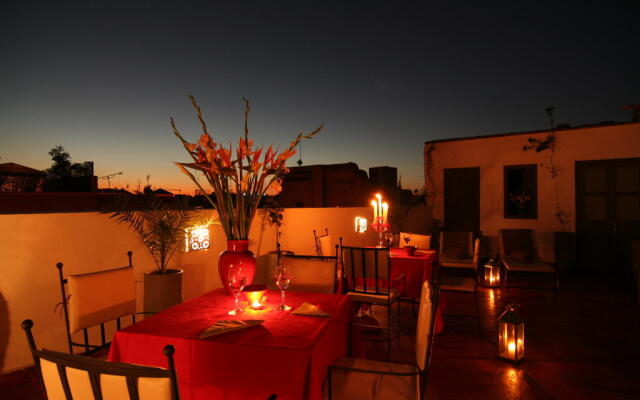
<point x="162" y="291"/>
<point x="237" y="253"/>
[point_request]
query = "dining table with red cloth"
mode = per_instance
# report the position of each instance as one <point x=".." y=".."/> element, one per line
<point x="416" y="266"/>
<point x="287" y="355"/>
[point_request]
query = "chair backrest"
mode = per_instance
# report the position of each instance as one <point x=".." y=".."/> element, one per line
<point x="68" y="376"/>
<point x="425" y="328"/>
<point x="476" y="252"/>
<point x="326" y="247"/>
<point x="312" y="273"/>
<point x="93" y="299"/>
<point x="456" y="244"/>
<point x="323" y="243"/>
<point x="414" y="239"/>
<point x="518" y="244"/>
<point x="366" y="269"/>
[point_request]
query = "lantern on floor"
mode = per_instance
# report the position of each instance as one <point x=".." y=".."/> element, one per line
<point x="511" y="335"/>
<point x="360" y="225"/>
<point x="492" y="272"/>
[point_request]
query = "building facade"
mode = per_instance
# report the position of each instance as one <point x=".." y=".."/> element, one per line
<point x="582" y="181"/>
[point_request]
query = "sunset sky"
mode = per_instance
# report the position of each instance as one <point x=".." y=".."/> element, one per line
<point x="384" y="77"/>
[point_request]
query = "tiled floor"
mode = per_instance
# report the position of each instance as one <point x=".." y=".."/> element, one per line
<point x="581" y="344"/>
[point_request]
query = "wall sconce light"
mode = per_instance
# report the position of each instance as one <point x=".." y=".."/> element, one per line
<point x="511" y="335"/>
<point x="360" y="225"/>
<point x="196" y="238"/>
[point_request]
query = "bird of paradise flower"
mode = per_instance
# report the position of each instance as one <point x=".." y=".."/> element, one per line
<point x="238" y="184"/>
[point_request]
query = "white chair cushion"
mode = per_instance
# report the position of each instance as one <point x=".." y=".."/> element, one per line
<point x="326" y="246"/>
<point x="355" y="385"/>
<point x="100" y="296"/>
<point x="523" y="266"/>
<point x="423" y="326"/>
<point x="311" y="274"/>
<point x="383" y="299"/>
<point x="420" y="241"/>
<point x="449" y="262"/>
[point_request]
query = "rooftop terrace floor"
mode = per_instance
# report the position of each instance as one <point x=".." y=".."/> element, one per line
<point x="582" y="343"/>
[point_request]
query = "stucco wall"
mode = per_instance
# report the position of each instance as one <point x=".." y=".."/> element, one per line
<point x="31" y="245"/>
<point x="493" y="153"/>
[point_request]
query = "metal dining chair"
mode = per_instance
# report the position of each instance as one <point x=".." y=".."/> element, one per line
<point x="91" y="300"/>
<point x="356" y="378"/>
<point x="69" y="376"/>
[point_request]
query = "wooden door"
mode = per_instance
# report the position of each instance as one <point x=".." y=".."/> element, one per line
<point x="607" y="213"/>
<point x="462" y="199"/>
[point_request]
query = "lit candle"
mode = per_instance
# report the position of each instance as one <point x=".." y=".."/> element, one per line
<point x="375" y="211"/>
<point x="385" y="211"/>
<point x="379" y="205"/>
<point x="255" y="296"/>
<point x="512" y="349"/>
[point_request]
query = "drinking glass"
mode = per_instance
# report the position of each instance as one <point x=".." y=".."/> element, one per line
<point x="282" y="277"/>
<point x="388" y="237"/>
<point x="237" y="278"/>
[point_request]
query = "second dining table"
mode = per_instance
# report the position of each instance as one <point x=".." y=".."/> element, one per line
<point x="287" y="355"/>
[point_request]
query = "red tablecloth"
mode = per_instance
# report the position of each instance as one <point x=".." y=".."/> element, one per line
<point x="287" y="355"/>
<point x="417" y="268"/>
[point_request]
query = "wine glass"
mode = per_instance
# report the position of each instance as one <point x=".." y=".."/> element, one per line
<point x="388" y="237"/>
<point x="237" y="278"/>
<point x="282" y="277"/>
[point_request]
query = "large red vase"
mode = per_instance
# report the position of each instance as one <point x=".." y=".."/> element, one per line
<point x="237" y="253"/>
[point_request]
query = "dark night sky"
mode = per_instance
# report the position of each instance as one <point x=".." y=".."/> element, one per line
<point x="102" y="79"/>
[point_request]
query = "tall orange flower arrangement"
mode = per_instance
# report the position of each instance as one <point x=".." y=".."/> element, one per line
<point x="239" y="183"/>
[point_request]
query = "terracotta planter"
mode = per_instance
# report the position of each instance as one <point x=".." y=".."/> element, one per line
<point x="162" y="291"/>
<point x="237" y="253"/>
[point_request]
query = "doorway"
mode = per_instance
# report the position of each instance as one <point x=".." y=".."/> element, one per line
<point x="462" y="199"/>
<point x="607" y="214"/>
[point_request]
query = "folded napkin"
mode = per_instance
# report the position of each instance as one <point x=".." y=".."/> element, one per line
<point x="225" y="326"/>
<point x="310" y="310"/>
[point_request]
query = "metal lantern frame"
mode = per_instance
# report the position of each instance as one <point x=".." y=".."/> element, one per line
<point x="511" y="339"/>
<point x="492" y="272"/>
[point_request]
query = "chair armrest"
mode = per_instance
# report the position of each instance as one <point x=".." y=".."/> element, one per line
<point x="374" y="371"/>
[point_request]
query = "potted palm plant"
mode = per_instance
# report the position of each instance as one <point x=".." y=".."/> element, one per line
<point x="160" y="224"/>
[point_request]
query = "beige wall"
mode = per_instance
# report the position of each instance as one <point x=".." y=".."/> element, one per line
<point x="31" y="245"/>
<point x="493" y="153"/>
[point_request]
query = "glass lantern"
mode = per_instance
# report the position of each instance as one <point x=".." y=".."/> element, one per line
<point x="492" y="272"/>
<point x="511" y="335"/>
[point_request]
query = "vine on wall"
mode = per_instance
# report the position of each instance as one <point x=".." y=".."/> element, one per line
<point x="549" y="144"/>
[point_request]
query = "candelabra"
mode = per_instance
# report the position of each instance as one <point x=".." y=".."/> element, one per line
<point x="382" y="229"/>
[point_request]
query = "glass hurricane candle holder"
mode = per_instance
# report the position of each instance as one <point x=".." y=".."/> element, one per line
<point x="511" y="335"/>
<point x="255" y="296"/>
<point x="492" y="273"/>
